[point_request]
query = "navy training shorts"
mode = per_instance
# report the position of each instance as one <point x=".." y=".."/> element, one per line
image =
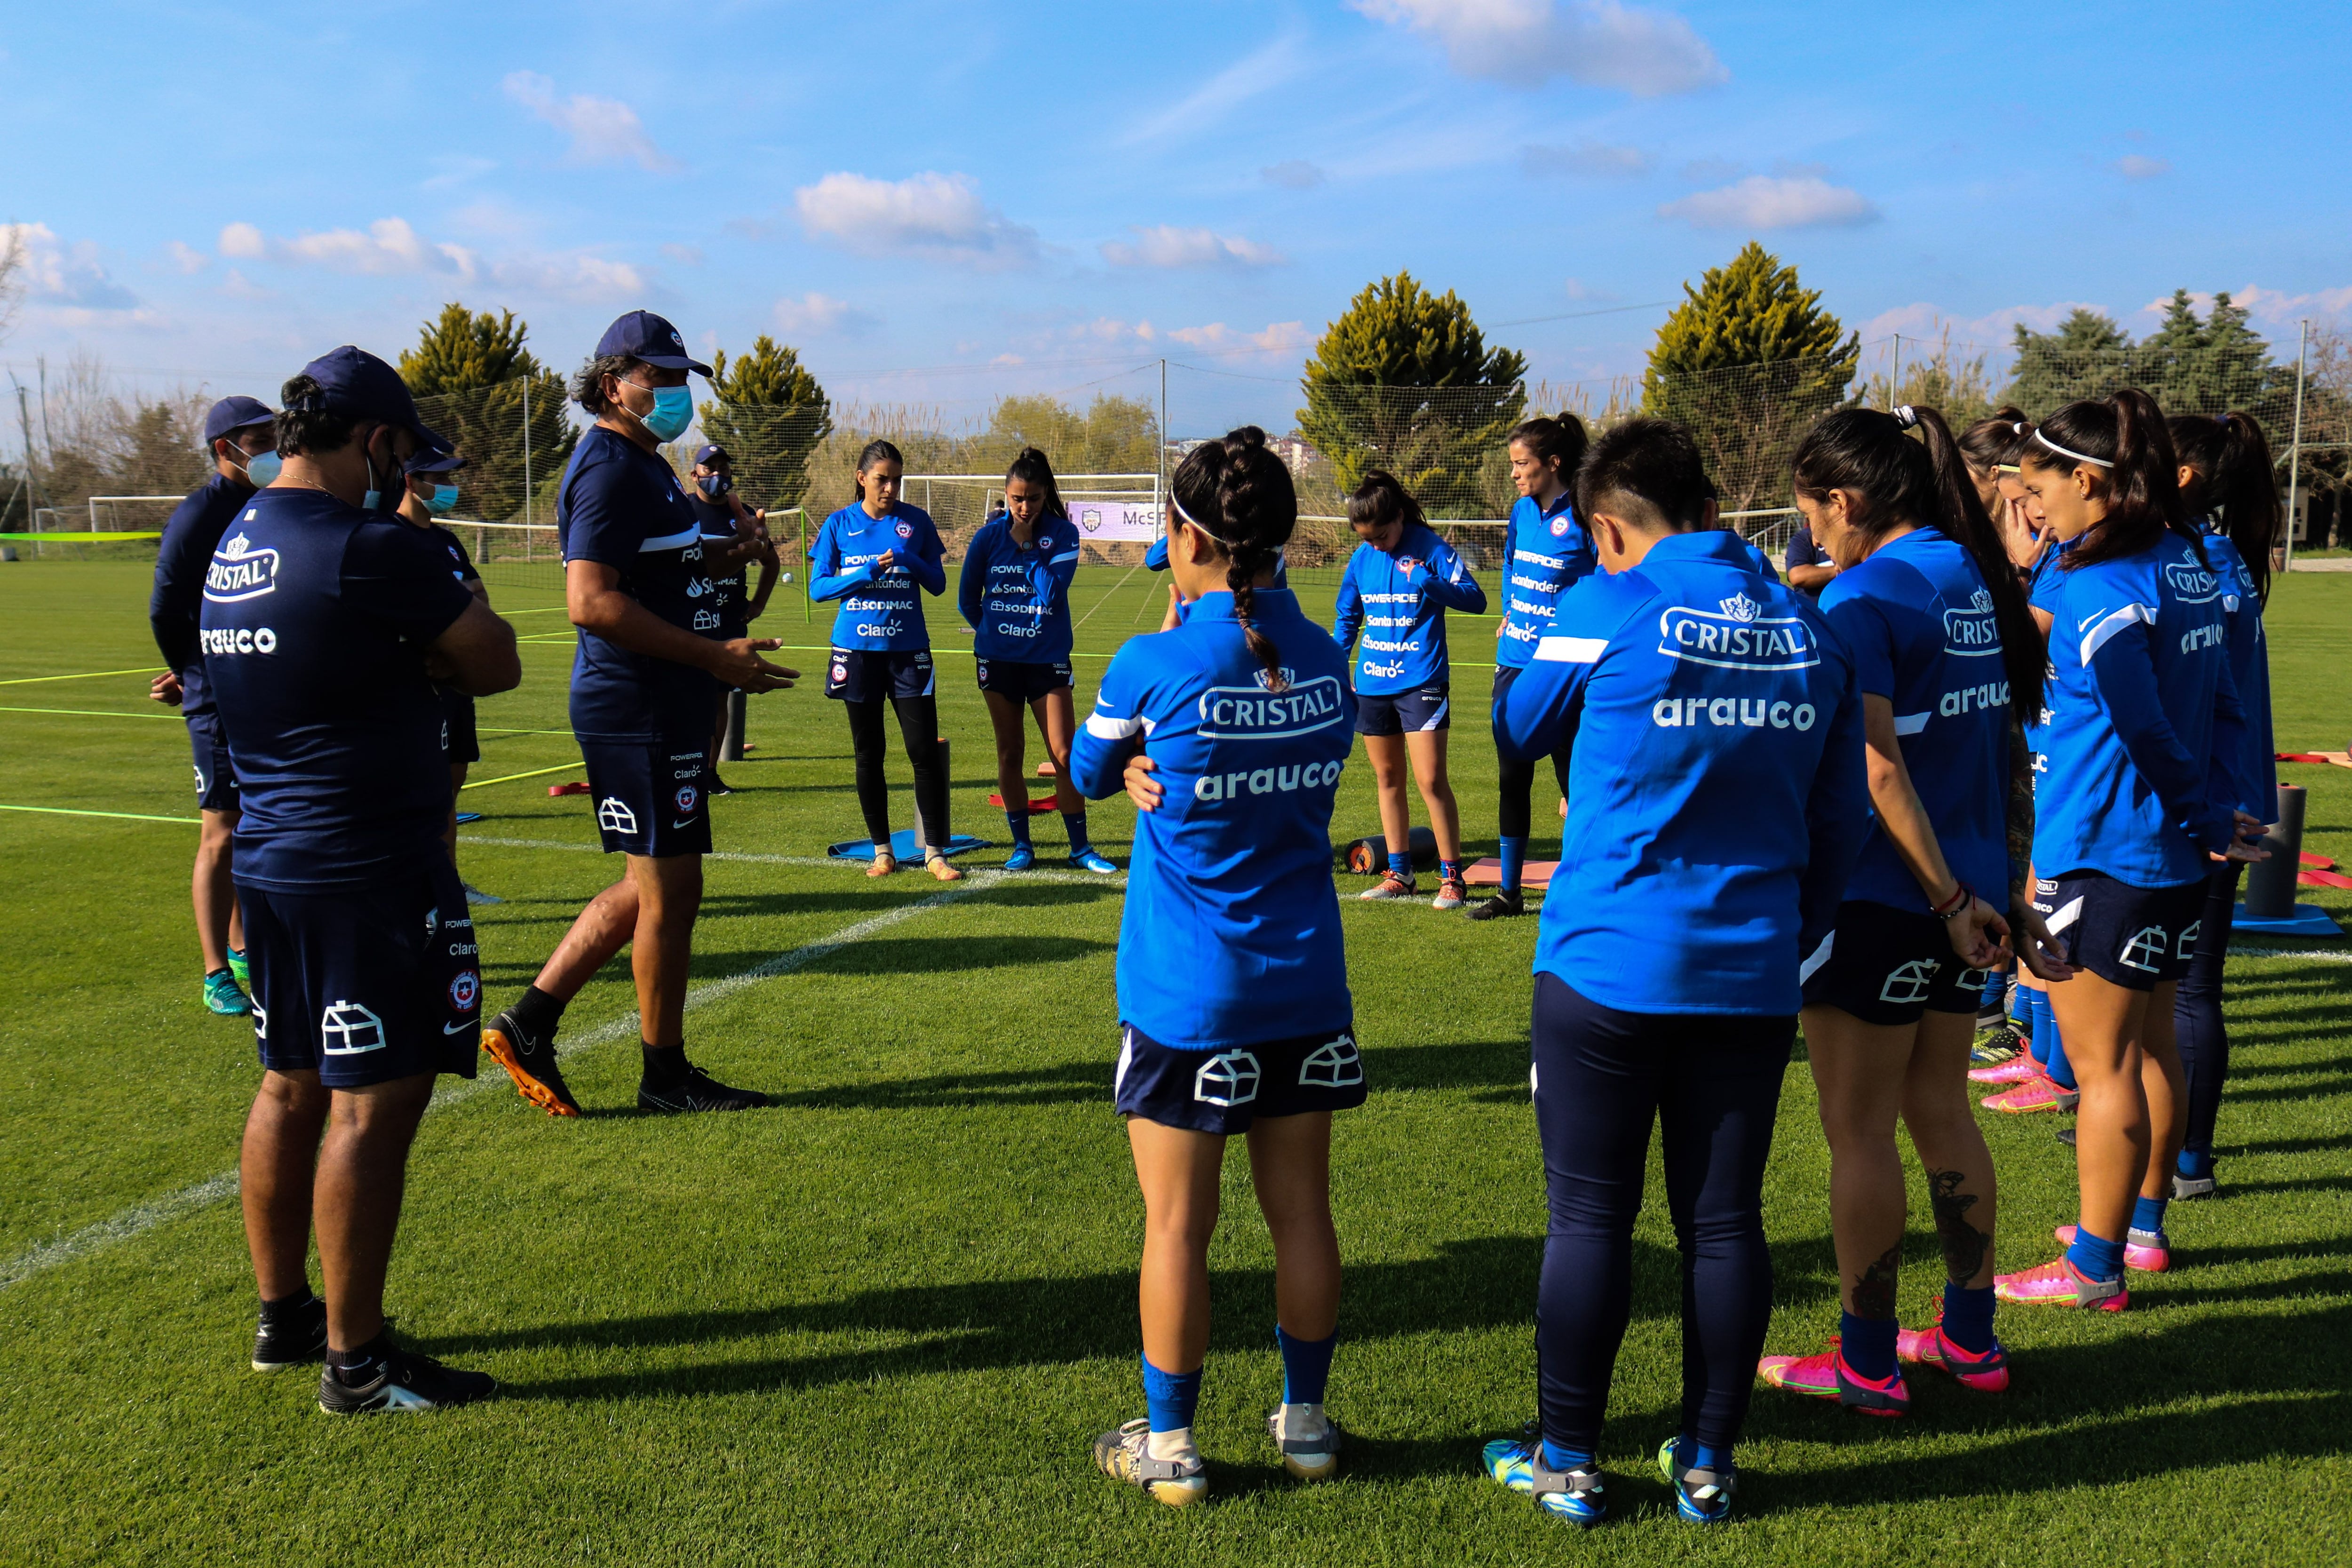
<point x="370" y="985"/>
<point x="652" y="796"/>
<point x="1224" y="1091"/>
<point x="1022" y="682"/>
<point x="216" y="779"/>
<point x="868" y="675"/>
<point x="1885" y="965"/>
<point x="1403" y="713"/>
<point x="460" y="743"/>
<point x="2136" y="938"/>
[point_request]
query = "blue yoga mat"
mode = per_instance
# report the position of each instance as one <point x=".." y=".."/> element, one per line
<point x="465" y="816"/>
<point x="2308" y="919"/>
<point x="902" y="845"/>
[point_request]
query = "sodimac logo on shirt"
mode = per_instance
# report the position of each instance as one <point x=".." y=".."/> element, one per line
<point x="1737" y="635"/>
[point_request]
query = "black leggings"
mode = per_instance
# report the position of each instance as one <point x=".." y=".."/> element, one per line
<point x="2197" y="1023"/>
<point x="1516" y="782"/>
<point x="1712" y="1081"/>
<point x="919" y="727"/>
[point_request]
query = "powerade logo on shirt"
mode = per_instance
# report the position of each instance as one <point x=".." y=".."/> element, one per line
<point x="1737" y="635"/>
<point x="239" y="571"/>
<point x="1973" y="633"/>
<point x="1254" y="713"/>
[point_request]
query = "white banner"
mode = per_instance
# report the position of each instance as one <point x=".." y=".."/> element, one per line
<point x="1108" y="520"/>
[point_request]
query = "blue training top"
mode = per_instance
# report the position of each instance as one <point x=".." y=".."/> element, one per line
<point x="1230" y="935"/>
<point x="1717" y="797"/>
<point x="1017" y="595"/>
<point x="1917" y="621"/>
<point x="181" y="556"/>
<point x="1399" y="603"/>
<point x="880" y="611"/>
<point x="2250" y="672"/>
<point x="314" y="616"/>
<point x="1545" y="551"/>
<point x="2144" y="726"/>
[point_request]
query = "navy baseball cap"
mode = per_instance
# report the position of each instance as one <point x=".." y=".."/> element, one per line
<point x="713" y="452"/>
<point x="231" y="414"/>
<point x="434" y="455"/>
<point x="359" y="386"/>
<point x="642" y="335"/>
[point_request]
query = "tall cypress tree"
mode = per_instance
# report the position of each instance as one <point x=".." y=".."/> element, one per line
<point x="468" y="373"/>
<point x="769" y="414"/>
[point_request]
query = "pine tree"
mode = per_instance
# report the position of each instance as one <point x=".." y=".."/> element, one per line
<point x="2204" y="367"/>
<point x="1404" y="381"/>
<point x="469" y="373"/>
<point x="1748" y="360"/>
<point x="2088" y="357"/>
<point x="769" y="414"/>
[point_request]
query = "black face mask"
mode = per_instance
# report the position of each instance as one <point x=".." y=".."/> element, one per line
<point x="713" y="486"/>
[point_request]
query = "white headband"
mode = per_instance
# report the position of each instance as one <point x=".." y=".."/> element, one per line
<point x="2078" y="457"/>
<point x="1186" y="516"/>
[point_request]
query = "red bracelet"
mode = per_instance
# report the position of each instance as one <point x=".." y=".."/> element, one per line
<point x="1960" y="899"/>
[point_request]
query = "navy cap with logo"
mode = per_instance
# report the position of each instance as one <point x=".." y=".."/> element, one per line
<point x="434" y="455"/>
<point x="356" y="384"/>
<point x="642" y="335"/>
<point x="713" y="453"/>
<point x="231" y="414"/>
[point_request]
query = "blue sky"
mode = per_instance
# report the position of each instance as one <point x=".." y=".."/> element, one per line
<point x="941" y="202"/>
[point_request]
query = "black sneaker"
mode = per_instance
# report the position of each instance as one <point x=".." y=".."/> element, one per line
<point x="401" y="1380"/>
<point x="295" y="1337"/>
<point x="531" y="1063"/>
<point x="697" y="1090"/>
<point x="1502" y="906"/>
<point x="2066" y="1136"/>
<point x="718" y="784"/>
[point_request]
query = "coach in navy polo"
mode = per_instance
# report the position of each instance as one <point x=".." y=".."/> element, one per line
<point x="240" y="438"/>
<point x="653" y="656"/>
<point x="325" y="624"/>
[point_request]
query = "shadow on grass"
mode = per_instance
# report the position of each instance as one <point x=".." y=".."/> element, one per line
<point x="952" y="954"/>
<point x="1073" y="1083"/>
<point x="1485" y="1063"/>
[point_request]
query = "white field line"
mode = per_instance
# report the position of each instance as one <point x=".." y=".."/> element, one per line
<point x="1089" y="878"/>
<point x="141" y="1219"/>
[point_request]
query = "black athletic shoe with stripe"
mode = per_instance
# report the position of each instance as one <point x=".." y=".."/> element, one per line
<point x="1502" y="906"/>
<point x="696" y="1090"/>
<point x="531" y="1063"/>
<point x="401" y="1380"/>
<point x="296" y="1337"/>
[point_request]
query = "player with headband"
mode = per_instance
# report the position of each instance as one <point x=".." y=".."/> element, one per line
<point x="1229" y="733"/>
<point x="1545" y="550"/>
<point x="1715" y="804"/>
<point x="1394" y="592"/>
<point x="1945" y="654"/>
<point x="2143" y="740"/>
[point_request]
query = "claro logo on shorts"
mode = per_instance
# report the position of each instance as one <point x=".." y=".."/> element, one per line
<point x="1738" y="636"/>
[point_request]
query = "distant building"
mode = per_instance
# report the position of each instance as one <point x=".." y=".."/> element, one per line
<point x="1295" y="453"/>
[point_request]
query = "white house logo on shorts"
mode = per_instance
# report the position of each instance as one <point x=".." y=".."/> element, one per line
<point x="1229" y="1078"/>
<point x="687" y="796"/>
<point x="613" y="817"/>
<point x="1909" y="982"/>
<point x="239" y="571"/>
<point x="465" y="991"/>
<point x="1737" y="635"/>
<point x="200" y="779"/>
<point x="1333" y="1065"/>
<point x="704" y="621"/>
<point x="445" y="734"/>
<point x="260" y="1022"/>
<point x="349" y="1029"/>
<point x="2187" y="946"/>
<point x="2145" y="950"/>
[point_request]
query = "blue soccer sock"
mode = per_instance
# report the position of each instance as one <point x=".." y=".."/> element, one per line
<point x="1401" y="866"/>
<point x="2049" y="1049"/>
<point x="2196" y="1164"/>
<point x="2094" y="1256"/>
<point x="1556" y="1458"/>
<point x="1449" y="870"/>
<point x="1867" y="1344"/>
<point x="1702" y="1458"/>
<point x="1996" y="989"/>
<point x="1305" y="1366"/>
<point x="1967" y="1317"/>
<point x="1075" y="821"/>
<point x="1515" y="859"/>
<point x="1018" y="821"/>
<point x="1169" y="1397"/>
<point x="2147" y="1214"/>
<point x="2020" y="1007"/>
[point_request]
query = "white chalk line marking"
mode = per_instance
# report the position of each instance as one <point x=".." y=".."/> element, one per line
<point x="1089" y="878"/>
<point x="141" y="1219"/>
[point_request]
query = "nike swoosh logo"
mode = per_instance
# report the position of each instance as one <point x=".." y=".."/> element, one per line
<point x="687" y="823"/>
<point x="461" y="1029"/>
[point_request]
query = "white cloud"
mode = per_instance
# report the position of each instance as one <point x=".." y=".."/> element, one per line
<point x="684" y="254"/>
<point x="588" y="280"/>
<point x="1168" y="246"/>
<point x="1524" y="43"/>
<point x="814" y="314"/>
<point x="1292" y="175"/>
<point x="1278" y="337"/>
<point x="603" y="130"/>
<point x="64" y="277"/>
<point x="1269" y="66"/>
<point x="2277" y="306"/>
<point x="1764" y="201"/>
<point x="187" y="256"/>
<point x="1990" y="331"/>
<point x="1586" y="157"/>
<point x="389" y="246"/>
<point x="939" y="214"/>
<point x="243" y="241"/>
<point x="2134" y="166"/>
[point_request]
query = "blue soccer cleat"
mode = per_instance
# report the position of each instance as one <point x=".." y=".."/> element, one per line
<point x="1022" y="859"/>
<point x="1517" y="1463"/>
<point x="222" y="995"/>
<point x="239" y="967"/>
<point x="1701" y="1496"/>
<point x="1093" y="860"/>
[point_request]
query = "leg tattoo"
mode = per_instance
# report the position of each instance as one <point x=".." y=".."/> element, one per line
<point x="1873" y="1288"/>
<point x="1964" y="1244"/>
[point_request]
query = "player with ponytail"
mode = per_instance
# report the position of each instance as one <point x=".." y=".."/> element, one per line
<point x="2227" y="483"/>
<point x="1229" y="732"/>
<point x="1946" y="658"/>
<point x="2141" y="791"/>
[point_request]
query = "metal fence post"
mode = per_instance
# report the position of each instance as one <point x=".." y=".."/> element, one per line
<point x="2294" y="446"/>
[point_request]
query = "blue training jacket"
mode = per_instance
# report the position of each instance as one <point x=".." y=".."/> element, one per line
<point x="1717" y="797"/>
<point x="880" y="611"/>
<point x="1399" y="603"/>
<point x="2141" y="751"/>
<point x="1545" y="552"/>
<point x="1230" y="935"/>
<point x="1017" y="596"/>
<point x="1917" y="620"/>
<point x="2250" y="672"/>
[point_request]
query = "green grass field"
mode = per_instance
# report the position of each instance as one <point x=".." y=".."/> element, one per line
<point x="881" y="1322"/>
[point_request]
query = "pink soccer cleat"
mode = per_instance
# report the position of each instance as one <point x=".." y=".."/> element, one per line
<point x="1987" y="1373"/>
<point x="2019" y="1068"/>
<point x="2148" y="1251"/>
<point x="2059" y="1283"/>
<point x="1827" y="1376"/>
<point x="2040" y="1093"/>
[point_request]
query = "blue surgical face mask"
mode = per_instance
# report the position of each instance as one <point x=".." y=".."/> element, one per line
<point x="713" y="485"/>
<point x="673" y="412"/>
<point x="261" y="468"/>
<point x="375" y="499"/>
<point x="444" y="501"/>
